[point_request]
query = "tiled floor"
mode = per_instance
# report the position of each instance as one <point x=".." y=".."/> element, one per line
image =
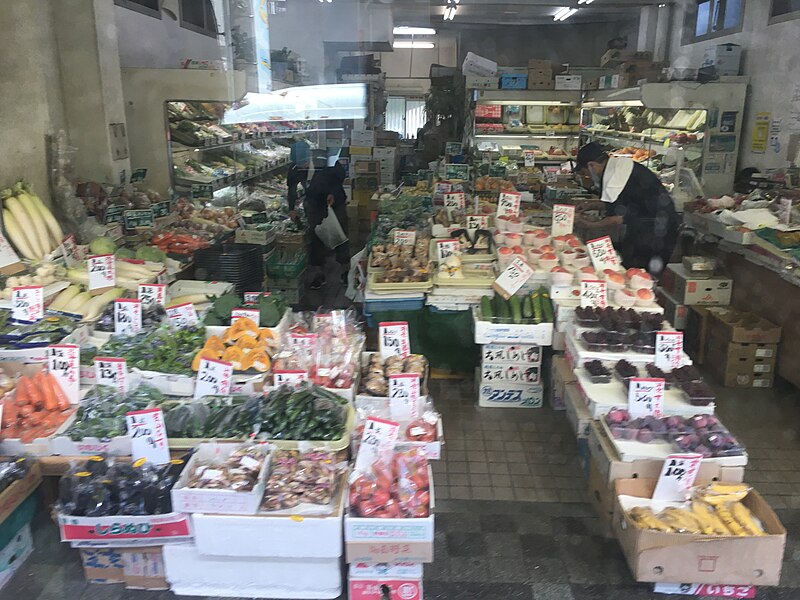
<point x="512" y="519"/>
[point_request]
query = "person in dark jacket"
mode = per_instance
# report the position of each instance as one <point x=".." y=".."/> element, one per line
<point x="322" y="179"/>
<point x="635" y="199"/>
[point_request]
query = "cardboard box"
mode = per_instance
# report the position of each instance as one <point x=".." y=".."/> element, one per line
<point x="726" y="58"/>
<point x="733" y="352"/>
<point x="514" y="82"/>
<point x="510" y="373"/>
<point x="526" y="354"/>
<point x="541" y="82"/>
<point x="368" y="183"/>
<point x="578" y="414"/>
<point x="601" y="498"/>
<point x="143" y="569"/>
<point x="362" y="137"/>
<point x="499" y="333"/>
<point x="592" y="83"/>
<point x="561" y="375"/>
<point x="512" y="71"/>
<point x="360" y="153"/>
<point x="403" y="580"/>
<point x="679" y="557"/>
<point x="614" y="58"/>
<point x="568" y="82"/>
<point x="688" y="289"/>
<point x="509" y="395"/>
<point x="537" y="64"/>
<point x="479" y="66"/>
<point x="384" y="153"/>
<point x="742" y="327"/>
<point x="675" y="312"/>
<point x="14" y="554"/>
<point x="103" y="565"/>
<point x="254" y="236"/>
<point x="482" y="83"/>
<point x="366" y="167"/>
<point x="16" y="493"/>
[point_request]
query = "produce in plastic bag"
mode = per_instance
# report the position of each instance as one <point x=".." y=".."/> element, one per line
<point x="300" y="478"/>
<point x="238" y="472"/>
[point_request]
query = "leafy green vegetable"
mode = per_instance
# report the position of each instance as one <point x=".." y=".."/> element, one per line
<point x="102" y="411"/>
<point x="163" y="349"/>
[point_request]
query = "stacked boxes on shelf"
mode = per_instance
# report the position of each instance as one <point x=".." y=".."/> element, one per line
<point x="681" y="287"/>
<point x="386" y="156"/>
<point x="540" y="74"/>
<point x="510" y="376"/>
<point x="631" y="67"/>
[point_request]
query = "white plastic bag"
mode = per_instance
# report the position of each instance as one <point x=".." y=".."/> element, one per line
<point x="330" y="231"/>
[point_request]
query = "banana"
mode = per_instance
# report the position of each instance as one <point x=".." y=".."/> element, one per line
<point x="725" y="514"/>
<point x="712" y="524"/>
<point x="645" y="518"/>
<point x="681" y="520"/>
<point x="722" y="493"/>
<point x="745" y="518"/>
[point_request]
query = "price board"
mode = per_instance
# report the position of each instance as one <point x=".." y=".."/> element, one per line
<point x="246" y="313"/>
<point x="594" y="293"/>
<point x="404" y="396"/>
<point x="137" y="218"/>
<point x="148" y="436"/>
<point x="602" y="253"/>
<point x="112" y="372"/>
<point x="563" y="219"/>
<point x="677" y="477"/>
<point x="513" y="278"/>
<point x="152" y="293"/>
<point x="404" y="237"/>
<point x="290" y="377"/>
<point x="127" y="316"/>
<point x="182" y="315"/>
<point x="64" y="363"/>
<point x="645" y="396"/>
<point x="114" y="214"/>
<point x="446" y="249"/>
<point x="213" y="378"/>
<point x="69" y="248"/>
<point x="27" y="303"/>
<point x="377" y="442"/>
<point x="102" y="272"/>
<point x="456" y="200"/>
<point x="508" y="204"/>
<point x="393" y="339"/>
<point x="477" y="222"/>
<point x="669" y="350"/>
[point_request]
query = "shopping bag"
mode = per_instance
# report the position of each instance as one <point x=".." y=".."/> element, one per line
<point x="330" y="232"/>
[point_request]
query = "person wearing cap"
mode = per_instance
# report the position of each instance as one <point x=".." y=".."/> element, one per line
<point x="636" y="200"/>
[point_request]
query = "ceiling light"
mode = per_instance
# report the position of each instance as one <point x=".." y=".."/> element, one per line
<point x="561" y="11"/>
<point x="585" y="1"/>
<point x="564" y="13"/>
<point x="410" y="44"/>
<point x="413" y="31"/>
<point x="449" y="13"/>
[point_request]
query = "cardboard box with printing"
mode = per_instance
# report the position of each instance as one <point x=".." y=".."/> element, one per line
<point x="742" y="327"/>
<point x="688" y="289"/>
<point x="538" y="64"/>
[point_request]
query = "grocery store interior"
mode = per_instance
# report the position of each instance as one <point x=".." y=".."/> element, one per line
<point x="400" y="299"/>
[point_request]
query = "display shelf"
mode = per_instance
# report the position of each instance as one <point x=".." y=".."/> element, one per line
<point x="644" y="142"/>
<point x="238" y="139"/>
<point x="580" y="354"/>
<point x="531" y="136"/>
<point x="229" y="180"/>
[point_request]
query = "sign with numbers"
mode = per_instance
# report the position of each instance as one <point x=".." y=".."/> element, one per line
<point x="645" y="396"/>
<point x="404" y="237"/>
<point x="102" y="272"/>
<point x="182" y="315"/>
<point x="377" y="442"/>
<point x="160" y="209"/>
<point x="563" y="219"/>
<point x="69" y="248"/>
<point x="508" y="204"/>
<point x="602" y="253"/>
<point x="213" y="378"/>
<point x="530" y="158"/>
<point x="112" y="372"/>
<point x="404" y="396"/>
<point x="455" y="200"/>
<point x="246" y="313"/>
<point x="127" y="316"/>
<point x="513" y="278"/>
<point x="446" y="249"/>
<point x="393" y="339"/>
<point x="594" y="293"/>
<point x="477" y="221"/>
<point x="677" y="477"/>
<point x="148" y="435"/>
<point x="152" y="293"/>
<point x="64" y="363"/>
<point x="669" y="349"/>
<point x="251" y="297"/>
<point x="27" y="303"/>
<point x="113" y="214"/>
<point x="291" y="378"/>
<point x="706" y="590"/>
<point x="441" y="188"/>
<point x="302" y="341"/>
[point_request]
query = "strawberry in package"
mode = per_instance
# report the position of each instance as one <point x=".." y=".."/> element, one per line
<point x="395" y="488"/>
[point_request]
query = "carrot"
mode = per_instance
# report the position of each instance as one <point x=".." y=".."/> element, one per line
<point x="36" y="394"/>
<point x="23" y="395"/>
<point x="61" y="398"/>
<point x="9" y="414"/>
<point x="43" y="382"/>
<point x="25" y="411"/>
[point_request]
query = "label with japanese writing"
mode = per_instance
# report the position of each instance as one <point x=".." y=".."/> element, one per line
<point x="148" y="436"/>
<point x="160" y="209"/>
<point x="594" y="293"/>
<point x="669" y="350"/>
<point x="127" y="316"/>
<point x="602" y="253"/>
<point x="377" y="442"/>
<point x="404" y="396"/>
<point x="27" y="303"/>
<point x="213" y="378"/>
<point x="505" y="353"/>
<point x="182" y="315"/>
<point x="64" y="363"/>
<point x="706" y="590"/>
<point x="508" y="204"/>
<point x="290" y="377"/>
<point x="393" y="339"/>
<point x="152" y="293"/>
<point x="645" y="396"/>
<point x="133" y="219"/>
<point x="455" y="200"/>
<point x="251" y="297"/>
<point x="113" y="214"/>
<point x="246" y="313"/>
<point x="69" y="247"/>
<point x="404" y="237"/>
<point x="302" y="341"/>
<point x="530" y="158"/>
<point x="677" y="477"/>
<point x="112" y="372"/>
<point x="102" y="272"/>
<point x="477" y="222"/>
<point x="446" y="249"/>
<point x="563" y="219"/>
<point x="513" y="278"/>
<point x="441" y="188"/>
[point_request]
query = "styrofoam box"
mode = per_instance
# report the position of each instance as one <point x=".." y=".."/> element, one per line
<point x="193" y="574"/>
<point x="123" y="531"/>
<point x="267" y="535"/>
<point x="188" y="287"/>
<point x="529" y="354"/>
<point x="569" y="82"/>
<point x="479" y="66"/>
<point x="15" y="553"/>
<point x="497" y="333"/>
<point x="510" y="395"/>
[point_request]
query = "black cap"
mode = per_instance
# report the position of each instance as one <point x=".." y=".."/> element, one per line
<point x="589" y="152"/>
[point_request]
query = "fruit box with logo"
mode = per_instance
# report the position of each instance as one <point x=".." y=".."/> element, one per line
<point x="119" y="531"/>
<point x="487" y="332"/>
<point x="402" y="580"/>
<point x="527" y="354"/>
<point x="688" y="289"/>
<point x="509" y="395"/>
<point x="655" y="556"/>
<point x="510" y="373"/>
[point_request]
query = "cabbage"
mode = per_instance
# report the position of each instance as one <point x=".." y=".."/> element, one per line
<point x="125" y="253"/>
<point x="102" y="245"/>
<point x="151" y="253"/>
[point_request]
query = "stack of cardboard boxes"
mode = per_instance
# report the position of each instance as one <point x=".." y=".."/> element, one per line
<point x="510" y="376"/>
<point x="681" y="288"/>
<point x="631" y="67"/>
<point x="387" y="159"/>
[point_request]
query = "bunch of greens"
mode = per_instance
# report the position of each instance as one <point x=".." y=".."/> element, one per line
<point x="163" y="349"/>
<point x="102" y="411"/>
<point x="271" y="309"/>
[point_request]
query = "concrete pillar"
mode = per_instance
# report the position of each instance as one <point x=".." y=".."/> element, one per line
<point x="663" y="26"/>
<point x="648" y="16"/>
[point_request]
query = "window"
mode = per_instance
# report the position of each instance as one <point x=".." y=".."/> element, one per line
<point x="198" y="16"/>
<point x="714" y="18"/>
<point x="405" y="116"/>
<point x="150" y="8"/>
<point x="784" y="10"/>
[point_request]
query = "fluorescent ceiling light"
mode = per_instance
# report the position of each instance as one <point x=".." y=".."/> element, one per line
<point x="413" y="31"/>
<point x="449" y="13"/>
<point x="410" y="44"/>
<point x="585" y="1"/>
<point x="564" y="13"/>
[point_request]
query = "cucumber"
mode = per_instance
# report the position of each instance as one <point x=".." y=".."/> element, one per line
<point x="497" y="303"/>
<point x="486" y="308"/>
<point x="537" y="307"/>
<point x="505" y="311"/>
<point x="547" y="307"/>
<point x="516" y="309"/>
<point x="527" y="308"/>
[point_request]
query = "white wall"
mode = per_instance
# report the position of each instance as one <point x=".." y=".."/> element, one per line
<point x="408" y="69"/>
<point x="770" y="57"/>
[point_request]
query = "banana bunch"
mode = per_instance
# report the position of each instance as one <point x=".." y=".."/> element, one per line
<point x="646" y="519"/>
<point x="721" y="493"/>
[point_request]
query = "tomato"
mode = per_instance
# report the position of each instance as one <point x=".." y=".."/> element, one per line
<point x="368" y="509"/>
<point x="381" y="496"/>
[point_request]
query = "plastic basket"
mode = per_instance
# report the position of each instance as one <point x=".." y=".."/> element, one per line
<point x="279" y="265"/>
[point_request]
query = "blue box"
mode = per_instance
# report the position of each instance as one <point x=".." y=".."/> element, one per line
<point x="513" y="82"/>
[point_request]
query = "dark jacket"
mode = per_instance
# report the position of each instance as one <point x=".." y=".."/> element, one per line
<point x="326" y="180"/>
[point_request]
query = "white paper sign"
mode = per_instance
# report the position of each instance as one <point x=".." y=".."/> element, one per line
<point x="102" y="272"/>
<point x="182" y="315"/>
<point x="404" y="396"/>
<point x="127" y="316"/>
<point x="645" y="396"/>
<point x="477" y="221"/>
<point x="213" y="378"/>
<point x="7" y="254"/>
<point x="404" y="237"/>
<point x="291" y="378"/>
<point x="594" y="293"/>
<point x="455" y="200"/>
<point x="563" y="219"/>
<point x="393" y="339"/>
<point x="440" y="189"/>
<point x="513" y="278"/>
<point x="64" y="363"/>
<point x="706" y="590"/>
<point x="69" y="247"/>
<point x="530" y="158"/>
<point x="251" y="297"/>
<point x="669" y="349"/>
<point x="152" y="293"/>
<point x="302" y="341"/>
<point x="112" y="372"/>
<point x="677" y="477"/>
<point x="377" y="442"/>
<point x="148" y="436"/>
<point x="602" y="253"/>
<point x="446" y="249"/>
<point x="508" y="204"/>
<point x="246" y="313"/>
<point x="27" y="303"/>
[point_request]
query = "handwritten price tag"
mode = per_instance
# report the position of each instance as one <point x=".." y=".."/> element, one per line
<point x="669" y="349"/>
<point x="148" y="435"/>
<point x="251" y="297"/>
<point x="393" y="339"/>
<point x="404" y="396"/>
<point x="677" y="477"/>
<point x="405" y="238"/>
<point x="594" y="293"/>
<point x="102" y="272"/>
<point x="377" y="442"/>
<point x="508" y="204"/>
<point x="455" y="200"/>
<point x="246" y="313"/>
<point x="645" y="397"/>
<point x="182" y="315"/>
<point x="213" y="378"/>
<point x="302" y="341"/>
<point x="291" y="378"/>
<point x="477" y="221"/>
<point x="69" y="247"/>
<point x="602" y="253"/>
<point x="513" y="278"/>
<point x="530" y="158"/>
<point x="446" y="249"/>
<point x="152" y="293"/>
<point x="563" y="219"/>
<point x="27" y="303"/>
<point x="63" y="363"/>
<point x="127" y="316"/>
<point x="112" y="372"/>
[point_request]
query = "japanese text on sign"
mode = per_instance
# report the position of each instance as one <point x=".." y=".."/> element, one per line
<point x="477" y="221"/>
<point x="63" y="363"/>
<point x="245" y="313"/>
<point x="102" y="272"/>
<point x="404" y="396"/>
<point x="152" y="293"/>
<point x="442" y="188"/>
<point x="251" y="297"/>
<point x="563" y="219"/>
<point x="455" y="200"/>
<point x="69" y="248"/>
<point x="112" y="372"/>
<point x="594" y="293"/>
<point x="645" y="396"/>
<point x="513" y="278"/>
<point x="530" y="158"/>
<point x="27" y="303"/>
<point x="706" y="590"/>
<point x="677" y="477"/>
<point x="404" y="238"/>
<point x="148" y="436"/>
<point x="127" y="316"/>
<point x="508" y="204"/>
<point x="377" y="442"/>
<point x="213" y="378"/>
<point x="602" y="253"/>
<point x="669" y="349"/>
<point x="393" y="339"/>
<point x="302" y="341"/>
<point x="289" y="377"/>
<point x="446" y="249"/>
<point x="182" y="315"/>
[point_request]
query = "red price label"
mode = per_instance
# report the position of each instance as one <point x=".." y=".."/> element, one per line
<point x="213" y="378"/>
<point x="64" y="363"/>
<point x="446" y="249"/>
<point x="182" y="315"/>
<point x="455" y="200"/>
<point x="669" y="350"/>
<point x="513" y="278"/>
<point x="404" y="396"/>
<point x="563" y="219"/>
<point x="508" y="204"/>
<point x="677" y="477"/>
<point x="102" y="272"/>
<point x="404" y="237"/>
<point x="245" y="313"/>
<point x="645" y="396"/>
<point x="393" y="339"/>
<point x="602" y="253"/>
<point x="127" y="316"/>
<point x="292" y="378"/>
<point x="594" y="293"/>
<point x="27" y="303"/>
<point x="69" y="247"/>
<point x="112" y="372"/>
<point x="148" y="436"/>
<point x="152" y="293"/>
<point x="477" y="221"/>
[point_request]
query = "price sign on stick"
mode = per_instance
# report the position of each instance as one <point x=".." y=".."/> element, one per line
<point x="102" y="272"/>
<point x="594" y="293"/>
<point x="182" y="315"/>
<point x="645" y="396"/>
<point x="27" y="303"/>
<point x="393" y="339"/>
<point x="69" y="247"/>
<point x="404" y="396"/>
<point x="477" y="221"/>
<point x="152" y="293"/>
<point x="291" y="378"/>
<point x="148" y="435"/>
<point x="563" y="219"/>
<point x="669" y="349"/>
<point x="602" y="253"/>
<point x="508" y="204"/>
<point x="455" y="200"/>
<point x="677" y="477"/>
<point x="64" y="363"/>
<point x="377" y="442"/>
<point x="513" y="278"/>
<point x="446" y="249"/>
<point x="245" y="313"/>
<point x="112" y="372"/>
<point x="127" y="316"/>
<point x="404" y="237"/>
<point x="213" y="378"/>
